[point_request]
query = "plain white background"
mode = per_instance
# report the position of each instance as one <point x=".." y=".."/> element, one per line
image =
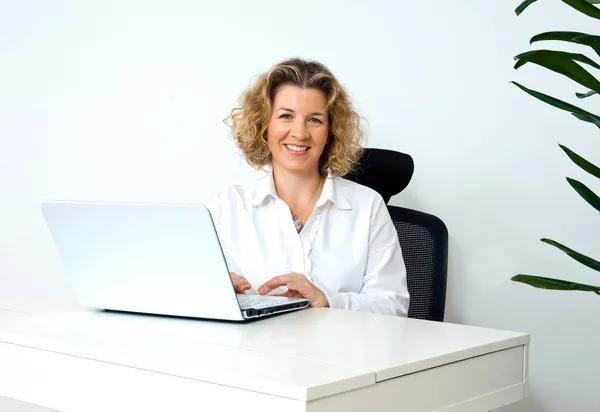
<point x="124" y="101"/>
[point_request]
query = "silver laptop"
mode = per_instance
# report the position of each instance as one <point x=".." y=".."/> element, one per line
<point x="151" y="258"/>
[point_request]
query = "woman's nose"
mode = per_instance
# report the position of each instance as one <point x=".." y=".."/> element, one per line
<point x="299" y="130"/>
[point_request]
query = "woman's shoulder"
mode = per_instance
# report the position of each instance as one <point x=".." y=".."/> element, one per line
<point x="236" y="194"/>
<point x="357" y="193"/>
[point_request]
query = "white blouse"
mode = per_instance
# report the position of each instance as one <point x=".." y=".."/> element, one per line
<point x="348" y="247"/>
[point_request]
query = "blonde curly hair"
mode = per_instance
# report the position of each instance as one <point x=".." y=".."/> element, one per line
<point x="249" y="123"/>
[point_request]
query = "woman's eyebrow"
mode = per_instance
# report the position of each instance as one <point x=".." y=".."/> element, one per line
<point x="285" y="109"/>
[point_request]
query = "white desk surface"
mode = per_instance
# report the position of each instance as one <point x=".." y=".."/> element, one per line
<point x="305" y="355"/>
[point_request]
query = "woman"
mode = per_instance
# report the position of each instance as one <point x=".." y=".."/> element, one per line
<point x="303" y="230"/>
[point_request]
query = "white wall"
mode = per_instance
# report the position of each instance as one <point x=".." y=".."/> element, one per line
<point x="124" y="100"/>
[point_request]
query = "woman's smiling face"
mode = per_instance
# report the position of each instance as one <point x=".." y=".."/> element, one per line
<point x="298" y="130"/>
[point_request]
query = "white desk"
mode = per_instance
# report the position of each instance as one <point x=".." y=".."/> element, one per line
<point x="314" y="360"/>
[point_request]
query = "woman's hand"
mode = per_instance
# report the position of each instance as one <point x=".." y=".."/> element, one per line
<point x="240" y="284"/>
<point x="298" y="287"/>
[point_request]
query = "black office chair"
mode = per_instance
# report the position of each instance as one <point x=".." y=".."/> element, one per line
<point x="423" y="237"/>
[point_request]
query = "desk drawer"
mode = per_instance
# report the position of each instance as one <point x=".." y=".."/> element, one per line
<point x="477" y="384"/>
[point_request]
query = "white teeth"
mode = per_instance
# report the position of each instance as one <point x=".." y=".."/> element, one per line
<point x="296" y="148"/>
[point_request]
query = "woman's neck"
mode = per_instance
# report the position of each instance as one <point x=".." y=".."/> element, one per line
<point x="297" y="190"/>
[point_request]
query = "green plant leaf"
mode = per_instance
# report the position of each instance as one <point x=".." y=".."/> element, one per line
<point x="523" y="6"/>
<point x="570" y="36"/>
<point x="584" y="95"/>
<point x="554" y="284"/>
<point x="587" y="261"/>
<point x="576" y="111"/>
<point x="585" y="193"/>
<point x="581" y="162"/>
<point x="584" y="7"/>
<point x="562" y="63"/>
<point x="557" y="35"/>
<point x="587" y="118"/>
<point x="549" y="54"/>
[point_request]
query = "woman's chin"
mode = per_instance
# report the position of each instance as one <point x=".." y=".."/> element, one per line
<point x="299" y="166"/>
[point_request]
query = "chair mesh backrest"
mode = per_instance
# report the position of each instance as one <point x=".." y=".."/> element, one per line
<point x="424" y="242"/>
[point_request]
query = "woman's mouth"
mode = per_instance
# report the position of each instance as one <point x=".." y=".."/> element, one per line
<point x="296" y="150"/>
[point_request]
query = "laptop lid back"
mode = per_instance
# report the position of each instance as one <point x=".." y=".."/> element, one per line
<point x="149" y="258"/>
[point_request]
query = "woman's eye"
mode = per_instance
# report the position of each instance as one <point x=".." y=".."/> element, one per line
<point x="314" y="120"/>
<point x="285" y="116"/>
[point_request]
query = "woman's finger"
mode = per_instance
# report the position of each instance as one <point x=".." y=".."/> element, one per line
<point x="294" y="287"/>
<point x="290" y="294"/>
<point x="277" y="281"/>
